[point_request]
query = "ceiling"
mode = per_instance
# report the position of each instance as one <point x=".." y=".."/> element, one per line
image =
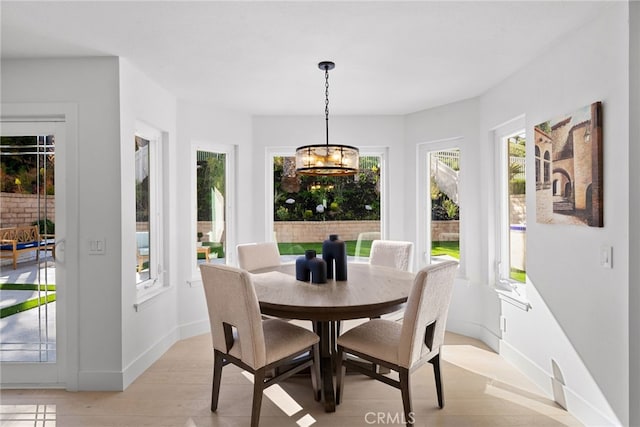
<point x="260" y="57"/>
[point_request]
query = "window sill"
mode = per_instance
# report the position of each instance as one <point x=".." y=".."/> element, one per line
<point x="513" y="298"/>
<point x="145" y="299"/>
<point x="195" y="282"/>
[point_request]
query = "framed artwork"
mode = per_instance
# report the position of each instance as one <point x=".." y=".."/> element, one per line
<point x="568" y="155"/>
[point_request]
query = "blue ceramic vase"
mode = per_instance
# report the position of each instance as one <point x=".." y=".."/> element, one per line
<point x="334" y="253"/>
<point x="308" y="267"/>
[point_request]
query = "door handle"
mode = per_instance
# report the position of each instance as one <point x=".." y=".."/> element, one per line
<point x="58" y="248"/>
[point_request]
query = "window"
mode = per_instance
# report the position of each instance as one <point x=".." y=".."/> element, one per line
<point x="547" y="169"/>
<point x="148" y="184"/>
<point x="212" y="195"/>
<point x="307" y="209"/>
<point x="538" y="163"/>
<point x="512" y="218"/>
<point x="439" y="219"/>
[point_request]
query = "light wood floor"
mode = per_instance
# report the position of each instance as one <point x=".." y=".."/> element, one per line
<point x="481" y="389"/>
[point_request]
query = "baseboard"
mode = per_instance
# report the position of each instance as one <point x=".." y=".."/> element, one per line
<point x="534" y="372"/>
<point x="474" y="330"/>
<point x="574" y="403"/>
<point x="100" y="381"/>
<point x="118" y="381"/>
<point x="146" y="359"/>
<point x="194" y="328"/>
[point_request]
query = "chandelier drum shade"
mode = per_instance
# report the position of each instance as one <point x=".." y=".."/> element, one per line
<point x="327" y="159"/>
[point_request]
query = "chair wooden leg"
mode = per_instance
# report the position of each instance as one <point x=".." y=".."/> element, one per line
<point x="258" y="388"/>
<point x="374" y="367"/>
<point x="315" y="373"/>
<point x="405" y="390"/>
<point x="436" y="373"/>
<point x="217" y="376"/>
<point x="340" y="373"/>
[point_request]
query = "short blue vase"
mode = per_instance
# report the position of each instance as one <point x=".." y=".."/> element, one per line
<point x="308" y="267"/>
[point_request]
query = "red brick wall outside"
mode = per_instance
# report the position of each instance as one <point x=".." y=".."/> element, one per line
<point x="17" y="210"/>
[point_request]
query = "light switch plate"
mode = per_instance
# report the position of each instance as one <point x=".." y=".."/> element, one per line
<point x="97" y="246"/>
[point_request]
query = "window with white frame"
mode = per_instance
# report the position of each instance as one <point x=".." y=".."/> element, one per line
<point x="512" y="216"/>
<point x="148" y="185"/>
<point x="439" y="201"/>
<point x="212" y="183"/>
<point x="305" y="210"/>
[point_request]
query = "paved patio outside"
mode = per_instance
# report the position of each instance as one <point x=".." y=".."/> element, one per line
<point x="29" y="336"/>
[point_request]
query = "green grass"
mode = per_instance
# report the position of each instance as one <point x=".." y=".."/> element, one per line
<point x="26" y="305"/>
<point x="518" y="275"/>
<point x="25" y="287"/>
<point x="451" y="249"/>
<point x="437" y="248"/>
<point x="214" y="248"/>
<point x="299" y="248"/>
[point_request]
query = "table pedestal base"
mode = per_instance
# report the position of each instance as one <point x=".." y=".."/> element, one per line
<point x="326" y="331"/>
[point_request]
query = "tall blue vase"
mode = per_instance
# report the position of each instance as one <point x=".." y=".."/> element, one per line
<point x="334" y="253"/>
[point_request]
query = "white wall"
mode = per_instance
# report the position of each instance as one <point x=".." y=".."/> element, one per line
<point x="92" y="84"/>
<point x="474" y="307"/>
<point x="580" y="311"/>
<point x="634" y="213"/>
<point x="149" y="331"/>
<point x="114" y="343"/>
<point x="198" y="124"/>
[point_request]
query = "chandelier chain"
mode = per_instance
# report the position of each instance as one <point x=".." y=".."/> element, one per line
<point x="326" y="93"/>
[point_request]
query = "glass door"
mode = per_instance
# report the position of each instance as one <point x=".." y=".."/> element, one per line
<point x="28" y="287"/>
<point x="439" y="225"/>
<point x="211" y="194"/>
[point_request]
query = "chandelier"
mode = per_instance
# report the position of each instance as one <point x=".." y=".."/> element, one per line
<point x="327" y="159"/>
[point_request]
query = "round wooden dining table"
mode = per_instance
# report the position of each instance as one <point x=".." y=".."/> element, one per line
<point x="369" y="291"/>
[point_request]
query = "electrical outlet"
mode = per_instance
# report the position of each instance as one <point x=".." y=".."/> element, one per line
<point x="503" y="323"/>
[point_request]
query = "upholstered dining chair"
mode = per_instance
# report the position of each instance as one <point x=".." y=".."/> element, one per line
<point x="404" y="347"/>
<point x="389" y="253"/>
<point x="242" y="338"/>
<point x="392" y="253"/>
<point x="254" y="256"/>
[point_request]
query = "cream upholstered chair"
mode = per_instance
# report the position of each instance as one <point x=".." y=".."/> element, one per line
<point x="392" y="253"/>
<point x="254" y="256"/>
<point x="241" y="337"/>
<point x="404" y="347"/>
<point x="389" y="253"/>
